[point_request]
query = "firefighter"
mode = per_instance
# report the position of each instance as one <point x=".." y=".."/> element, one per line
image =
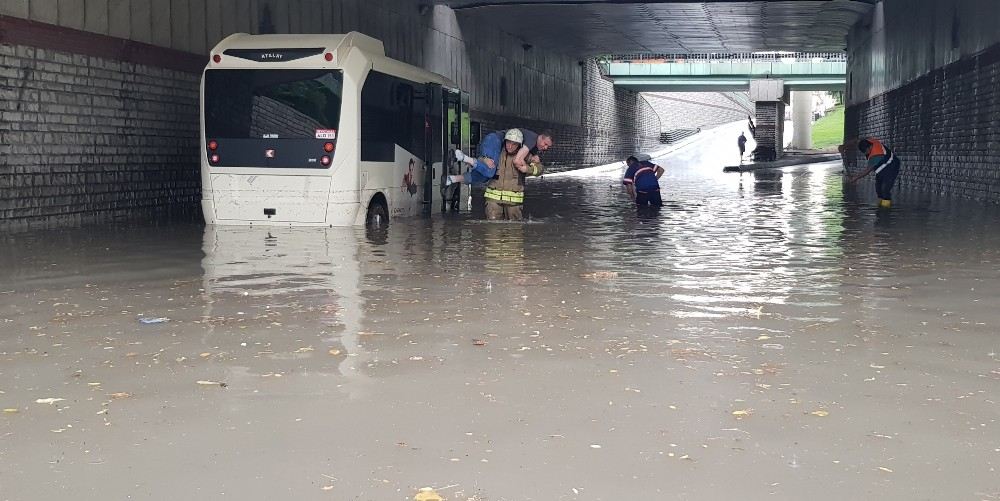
<point x="505" y="192"/>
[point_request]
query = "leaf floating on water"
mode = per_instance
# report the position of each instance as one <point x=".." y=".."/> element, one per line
<point x="427" y="494"/>
<point x="740" y="414"/>
<point x="11" y="411"/>
<point x="49" y="401"/>
<point x="478" y="342"/>
<point x="820" y="413"/>
<point x="334" y="352"/>
<point x="212" y="383"/>
<point x="304" y="349"/>
<point x="883" y="468"/>
<point x="120" y="394"/>
<point x="327" y="488"/>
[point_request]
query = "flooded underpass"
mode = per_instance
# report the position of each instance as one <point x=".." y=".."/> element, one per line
<point x="769" y="335"/>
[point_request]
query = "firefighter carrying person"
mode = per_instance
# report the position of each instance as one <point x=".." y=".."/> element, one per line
<point x="483" y="169"/>
<point x="504" y="194"/>
<point x="882" y="161"/>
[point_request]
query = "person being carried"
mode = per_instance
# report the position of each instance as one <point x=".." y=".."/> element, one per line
<point x="484" y="168"/>
<point x="504" y="194"/>
<point x="642" y="182"/>
<point x="881" y="161"/>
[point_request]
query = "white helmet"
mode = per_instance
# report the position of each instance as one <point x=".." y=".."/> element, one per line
<point x="514" y="135"/>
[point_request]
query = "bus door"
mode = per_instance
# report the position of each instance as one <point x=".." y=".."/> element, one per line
<point x="434" y="140"/>
<point x="456" y="113"/>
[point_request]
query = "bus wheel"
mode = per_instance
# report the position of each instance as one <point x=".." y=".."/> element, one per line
<point x="378" y="215"/>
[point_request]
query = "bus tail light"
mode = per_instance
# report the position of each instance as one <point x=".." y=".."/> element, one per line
<point x="325" y="160"/>
<point x="217" y="58"/>
<point x="328" y="56"/>
<point x="214" y="159"/>
<point x="213" y="145"/>
<point x="328" y="147"/>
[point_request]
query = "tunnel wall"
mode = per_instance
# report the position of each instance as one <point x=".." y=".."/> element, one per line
<point x="617" y="122"/>
<point x="100" y="97"/>
<point x="925" y="77"/>
<point x="684" y="110"/>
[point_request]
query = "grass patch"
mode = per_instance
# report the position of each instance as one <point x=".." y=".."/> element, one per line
<point x="829" y="130"/>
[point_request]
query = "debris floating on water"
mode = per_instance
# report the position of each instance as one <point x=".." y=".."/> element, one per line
<point x="212" y="383"/>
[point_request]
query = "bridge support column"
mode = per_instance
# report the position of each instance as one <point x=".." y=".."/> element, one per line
<point x="769" y="98"/>
<point x="802" y="108"/>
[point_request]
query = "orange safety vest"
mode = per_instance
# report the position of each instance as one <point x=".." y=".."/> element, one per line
<point x="879" y="149"/>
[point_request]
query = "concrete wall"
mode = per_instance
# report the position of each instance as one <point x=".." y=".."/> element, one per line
<point x="85" y="138"/>
<point x="618" y="122"/>
<point x="615" y="124"/>
<point x="924" y="75"/>
<point x="99" y="111"/>
<point x="691" y="110"/>
<point x="542" y="85"/>
<point x="770" y="126"/>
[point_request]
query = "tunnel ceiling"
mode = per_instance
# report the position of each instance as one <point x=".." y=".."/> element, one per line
<point x="584" y="28"/>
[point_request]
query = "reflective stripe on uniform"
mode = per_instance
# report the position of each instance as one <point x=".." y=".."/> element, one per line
<point x="516" y="197"/>
<point x="885" y="164"/>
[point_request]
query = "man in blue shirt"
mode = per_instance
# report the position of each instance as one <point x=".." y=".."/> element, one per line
<point x="642" y="182"/>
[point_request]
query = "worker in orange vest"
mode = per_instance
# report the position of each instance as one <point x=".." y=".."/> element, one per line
<point x="881" y="161"/>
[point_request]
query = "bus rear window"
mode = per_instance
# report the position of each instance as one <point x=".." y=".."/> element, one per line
<point x="272" y="104"/>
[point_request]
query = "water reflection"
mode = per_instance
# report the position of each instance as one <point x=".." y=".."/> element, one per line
<point x="779" y="295"/>
<point x="715" y="250"/>
<point x="268" y="286"/>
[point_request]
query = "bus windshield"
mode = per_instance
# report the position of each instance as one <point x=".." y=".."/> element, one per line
<point x="272" y="104"/>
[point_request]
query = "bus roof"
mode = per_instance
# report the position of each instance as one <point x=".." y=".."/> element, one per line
<point x="372" y="48"/>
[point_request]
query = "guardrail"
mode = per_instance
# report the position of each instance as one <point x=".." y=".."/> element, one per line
<point x="778" y="57"/>
<point x="672" y="136"/>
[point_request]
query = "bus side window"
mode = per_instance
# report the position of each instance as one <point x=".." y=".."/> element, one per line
<point x="377" y="118"/>
<point x="405" y="117"/>
<point x="390" y="115"/>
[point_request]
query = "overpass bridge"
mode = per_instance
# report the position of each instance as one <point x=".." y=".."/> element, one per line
<point x="724" y="72"/>
<point x="773" y="79"/>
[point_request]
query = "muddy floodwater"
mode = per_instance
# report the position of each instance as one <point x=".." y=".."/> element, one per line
<point x="765" y="336"/>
